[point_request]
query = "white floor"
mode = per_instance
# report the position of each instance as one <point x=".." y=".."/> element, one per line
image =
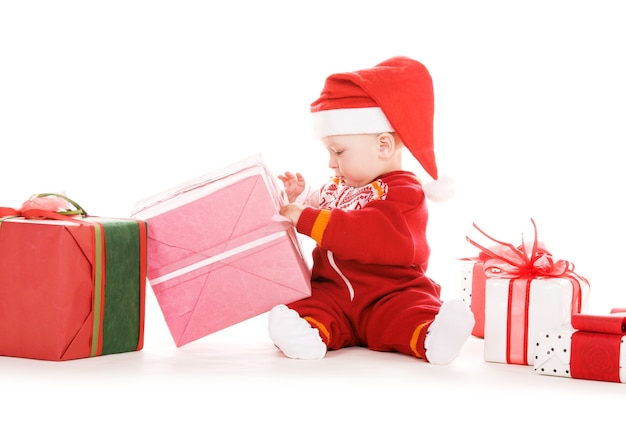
<point x="235" y="378"/>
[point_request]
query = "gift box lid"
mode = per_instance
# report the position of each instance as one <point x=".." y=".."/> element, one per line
<point x="613" y="323"/>
<point x="207" y="184"/>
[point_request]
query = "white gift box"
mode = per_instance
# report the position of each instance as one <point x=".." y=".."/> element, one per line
<point x="517" y="310"/>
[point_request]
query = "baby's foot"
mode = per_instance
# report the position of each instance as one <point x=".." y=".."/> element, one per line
<point x="293" y="335"/>
<point x="448" y="332"/>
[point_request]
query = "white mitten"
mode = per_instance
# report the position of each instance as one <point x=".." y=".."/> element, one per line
<point x="293" y="335"/>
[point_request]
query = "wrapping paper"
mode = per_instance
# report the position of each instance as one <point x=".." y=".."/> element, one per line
<point x="71" y="287"/>
<point x="219" y="252"/>
<point x="473" y="280"/>
<point x="593" y="350"/>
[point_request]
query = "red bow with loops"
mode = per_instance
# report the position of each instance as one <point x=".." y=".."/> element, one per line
<point x="506" y="260"/>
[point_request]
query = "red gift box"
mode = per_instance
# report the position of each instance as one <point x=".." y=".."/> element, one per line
<point x="593" y="350"/>
<point x="597" y="346"/>
<point x="473" y="293"/>
<point x="219" y="252"/>
<point x="70" y="286"/>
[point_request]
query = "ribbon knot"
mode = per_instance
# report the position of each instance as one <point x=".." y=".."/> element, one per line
<point x="526" y="260"/>
<point x="45" y="206"/>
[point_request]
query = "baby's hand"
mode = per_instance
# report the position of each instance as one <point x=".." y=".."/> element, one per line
<point x="292" y="212"/>
<point x="294" y="184"/>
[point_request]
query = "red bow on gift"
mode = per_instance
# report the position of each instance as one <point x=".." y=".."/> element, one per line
<point x="504" y="259"/>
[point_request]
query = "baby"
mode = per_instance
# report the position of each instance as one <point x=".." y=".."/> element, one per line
<point x="369" y="221"/>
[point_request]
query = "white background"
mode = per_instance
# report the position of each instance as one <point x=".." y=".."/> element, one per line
<point x="111" y="102"/>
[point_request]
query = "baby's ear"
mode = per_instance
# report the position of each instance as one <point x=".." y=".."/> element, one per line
<point x="386" y="144"/>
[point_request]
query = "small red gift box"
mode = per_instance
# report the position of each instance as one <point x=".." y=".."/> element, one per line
<point x="219" y="252"/>
<point x="70" y="286"/>
<point x="593" y="350"/>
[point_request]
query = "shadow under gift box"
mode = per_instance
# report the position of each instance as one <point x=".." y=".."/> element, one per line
<point x="71" y="289"/>
<point x="219" y="252"/>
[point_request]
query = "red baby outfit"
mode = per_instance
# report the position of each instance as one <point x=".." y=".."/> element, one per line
<point x="368" y="283"/>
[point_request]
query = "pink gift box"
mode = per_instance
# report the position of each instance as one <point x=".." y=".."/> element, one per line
<point x="219" y="252"/>
<point x="592" y="350"/>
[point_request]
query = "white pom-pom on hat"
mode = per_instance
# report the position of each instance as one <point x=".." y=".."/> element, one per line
<point x="439" y="190"/>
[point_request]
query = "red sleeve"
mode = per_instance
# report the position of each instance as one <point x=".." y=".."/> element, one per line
<point x="382" y="232"/>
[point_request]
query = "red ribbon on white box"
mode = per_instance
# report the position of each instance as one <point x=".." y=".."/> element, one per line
<point x="517" y="321"/>
<point x="518" y="312"/>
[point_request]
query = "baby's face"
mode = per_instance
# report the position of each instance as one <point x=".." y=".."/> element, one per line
<point x="355" y="158"/>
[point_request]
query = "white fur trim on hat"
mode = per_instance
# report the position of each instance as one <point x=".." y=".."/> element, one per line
<point x="349" y="121"/>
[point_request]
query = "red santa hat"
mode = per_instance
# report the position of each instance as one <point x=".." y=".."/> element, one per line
<point x="393" y="96"/>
